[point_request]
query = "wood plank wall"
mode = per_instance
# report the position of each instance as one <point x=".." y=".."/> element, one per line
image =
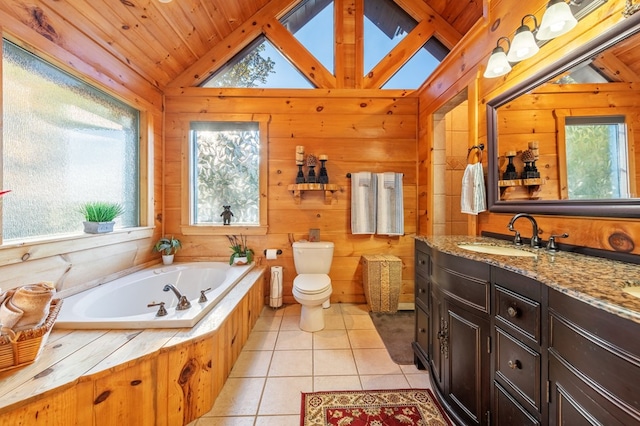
<point x="81" y="261"/>
<point x="463" y="69"/>
<point x="360" y="130"/>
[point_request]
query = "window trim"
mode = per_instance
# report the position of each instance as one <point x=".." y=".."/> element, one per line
<point x="186" y="227"/>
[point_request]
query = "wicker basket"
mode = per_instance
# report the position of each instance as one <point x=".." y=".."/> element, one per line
<point x="382" y="279"/>
<point x="24" y="347"/>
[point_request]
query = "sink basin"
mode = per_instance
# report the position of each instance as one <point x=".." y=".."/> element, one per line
<point x="634" y="291"/>
<point x="499" y="250"/>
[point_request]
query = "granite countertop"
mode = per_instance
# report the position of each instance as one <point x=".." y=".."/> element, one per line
<point x="593" y="280"/>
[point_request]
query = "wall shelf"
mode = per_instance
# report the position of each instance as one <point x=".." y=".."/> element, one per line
<point x="329" y="191"/>
<point x="532" y="185"/>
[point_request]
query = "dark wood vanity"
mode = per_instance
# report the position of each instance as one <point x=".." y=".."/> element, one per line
<point x="508" y="344"/>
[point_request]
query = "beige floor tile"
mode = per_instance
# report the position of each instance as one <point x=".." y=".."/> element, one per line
<point x="418" y="381"/>
<point x="331" y="339"/>
<point x="294" y="339"/>
<point x="358" y="322"/>
<point x="292" y="310"/>
<point x="291" y="363"/>
<point x="225" y="421"/>
<point x="252" y="364"/>
<point x="334" y="309"/>
<point x="261" y="341"/>
<point x="278" y="420"/>
<point x="269" y="311"/>
<point x="336" y="383"/>
<point x="365" y="339"/>
<point x="239" y="397"/>
<point x="290" y="322"/>
<point x="355" y="309"/>
<point x="282" y="395"/>
<point x="334" y="362"/>
<point x="412" y="369"/>
<point x="387" y="381"/>
<point x="268" y="323"/>
<point x="333" y="322"/>
<point x="375" y="361"/>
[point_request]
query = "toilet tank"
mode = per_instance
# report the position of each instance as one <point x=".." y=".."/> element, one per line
<point x="312" y="257"/>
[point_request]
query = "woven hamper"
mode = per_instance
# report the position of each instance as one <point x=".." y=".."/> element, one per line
<point x="382" y="279"/>
<point x="25" y="346"/>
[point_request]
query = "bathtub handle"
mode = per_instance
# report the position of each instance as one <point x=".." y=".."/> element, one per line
<point x="203" y="298"/>
<point x="161" y="310"/>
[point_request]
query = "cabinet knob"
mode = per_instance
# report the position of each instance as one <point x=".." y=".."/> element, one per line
<point x="423" y="330"/>
<point x="421" y="290"/>
<point x="421" y="262"/>
<point x="513" y="312"/>
<point x="514" y="365"/>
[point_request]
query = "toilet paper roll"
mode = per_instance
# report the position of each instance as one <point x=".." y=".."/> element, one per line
<point x="272" y="254"/>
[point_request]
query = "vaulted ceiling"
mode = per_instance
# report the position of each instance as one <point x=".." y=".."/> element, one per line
<point x="163" y="41"/>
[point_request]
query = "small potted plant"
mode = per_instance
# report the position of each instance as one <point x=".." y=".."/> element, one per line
<point x="240" y="253"/>
<point x="168" y="247"/>
<point x="99" y="216"/>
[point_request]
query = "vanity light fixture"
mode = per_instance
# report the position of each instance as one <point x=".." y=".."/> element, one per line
<point x="556" y="21"/>
<point x="498" y="64"/>
<point x="524" y="43"/>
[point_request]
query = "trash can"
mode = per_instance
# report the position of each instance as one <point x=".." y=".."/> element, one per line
<point x="382" y="278"/>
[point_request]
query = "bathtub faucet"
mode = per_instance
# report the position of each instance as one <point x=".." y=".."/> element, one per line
<point x="183" y="303"/>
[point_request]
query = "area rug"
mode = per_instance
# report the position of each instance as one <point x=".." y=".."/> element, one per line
<point x="397" y="333"/>
<point x="401" y="407"/>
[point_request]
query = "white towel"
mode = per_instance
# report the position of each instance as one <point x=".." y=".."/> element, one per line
<point x="390" y="204"/>
<point x="472" y="198"/>
<point x="363" y="203"/>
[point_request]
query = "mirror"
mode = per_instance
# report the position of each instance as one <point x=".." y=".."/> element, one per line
<point x="599" y="91"/>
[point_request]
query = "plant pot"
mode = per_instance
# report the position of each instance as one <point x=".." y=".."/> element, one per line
<point x="98" y="227"/>
<point x="240" y="260"/>
<point x="167" y="259"/>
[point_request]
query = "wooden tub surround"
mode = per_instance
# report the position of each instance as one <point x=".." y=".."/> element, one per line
<point x="134" y="377"/>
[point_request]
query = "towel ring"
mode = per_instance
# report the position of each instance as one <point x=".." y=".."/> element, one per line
<point x="480" y="148"/>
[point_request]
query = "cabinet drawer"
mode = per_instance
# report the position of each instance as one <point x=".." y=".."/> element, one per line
<point x="422" y="291"/>
<point x="422" y="264"/>
<point x="518" y="366"/>
<point x="508" y="411"/>
<point x="518" y="312"/>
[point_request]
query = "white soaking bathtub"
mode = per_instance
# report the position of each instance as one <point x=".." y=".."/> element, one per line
<point x="122" y="303"/>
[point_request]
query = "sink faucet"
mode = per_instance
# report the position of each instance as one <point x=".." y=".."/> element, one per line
<point x="183" y="303"/>
<point x="535" y="240"/>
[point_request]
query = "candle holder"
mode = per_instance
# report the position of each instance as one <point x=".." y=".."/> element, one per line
<point x="323" y="177"/>
<point x="300" y="175"/>
<point x="311" y="175"/>
<point x="510" y="172"/>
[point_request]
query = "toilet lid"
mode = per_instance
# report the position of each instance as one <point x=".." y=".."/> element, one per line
<point x="311" y="283"/>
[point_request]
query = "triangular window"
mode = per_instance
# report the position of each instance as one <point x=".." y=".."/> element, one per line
<point x="258" y="65"/>
<point x="311" y="23"/>
<point x="415" y="71"/>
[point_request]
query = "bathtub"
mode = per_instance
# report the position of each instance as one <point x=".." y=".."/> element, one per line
<point x="122" y="303"/>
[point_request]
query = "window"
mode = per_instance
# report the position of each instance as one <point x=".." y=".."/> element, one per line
<point x="64" y="143"/>
<point x="597" y="157"/>
<point x="227" y="172"/>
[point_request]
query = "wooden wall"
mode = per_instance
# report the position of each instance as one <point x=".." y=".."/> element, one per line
<point x="463" y="69"/>
<point x="75" y="262"/>
<point x="360" y="130"/>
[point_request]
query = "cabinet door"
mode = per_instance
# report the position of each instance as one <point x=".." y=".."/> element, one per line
<point x="467" y="372"/>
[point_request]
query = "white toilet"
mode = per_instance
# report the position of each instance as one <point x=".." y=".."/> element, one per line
<point x="312" y="286"/>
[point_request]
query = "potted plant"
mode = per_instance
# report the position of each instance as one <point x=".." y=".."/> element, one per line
<point x="168" y="247"/>
<point x="99" y="216"/>
<point x="240" y="253"/>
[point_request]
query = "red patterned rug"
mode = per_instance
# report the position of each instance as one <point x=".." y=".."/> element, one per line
<point x="400" y="407"/>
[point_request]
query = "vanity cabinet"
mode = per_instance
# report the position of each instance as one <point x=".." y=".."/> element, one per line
<point x="505" y="349"/>
<point x="594" y="365"/>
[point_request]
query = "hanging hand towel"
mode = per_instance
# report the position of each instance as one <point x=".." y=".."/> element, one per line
<point x="390" y="204"/>
<point x="472" y="198"/>
<point x="363" y="203"/>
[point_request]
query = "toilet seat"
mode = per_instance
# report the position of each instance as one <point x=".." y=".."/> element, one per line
<point x="311" y="283"/>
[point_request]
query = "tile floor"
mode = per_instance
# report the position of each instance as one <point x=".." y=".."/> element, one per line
<point x="279" y="361"/>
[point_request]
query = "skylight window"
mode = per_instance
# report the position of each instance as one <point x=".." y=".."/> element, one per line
<point x="258" y="65"/>
<point x="309" y="23"/>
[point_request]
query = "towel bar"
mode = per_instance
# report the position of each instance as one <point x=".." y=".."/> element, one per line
<point x="480" y="148"/>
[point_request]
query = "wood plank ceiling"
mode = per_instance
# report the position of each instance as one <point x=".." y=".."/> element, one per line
<point x="159" y="41"/>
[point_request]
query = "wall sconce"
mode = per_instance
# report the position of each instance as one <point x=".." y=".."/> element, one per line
<point x="524" y="44"/>
<point x="556" y="21"/>
<point x="498" y="63"/>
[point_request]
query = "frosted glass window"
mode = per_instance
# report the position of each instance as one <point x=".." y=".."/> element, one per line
<point x="225" y="172"/>
<point x="64" y="143"/>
